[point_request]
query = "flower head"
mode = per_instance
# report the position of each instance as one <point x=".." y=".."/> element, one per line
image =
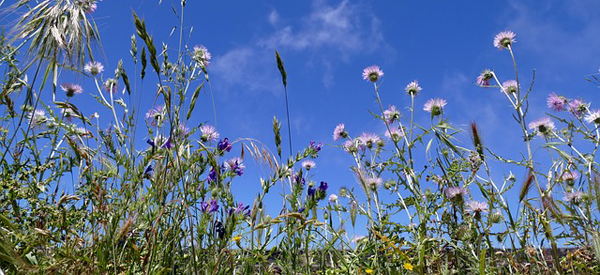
<point x="71" y="89"/>
<point x="321" y="190"/>
<point x="37" y="118"/>
<point x="93" y="68"/>
<point x="333" y="198"/>
<point x="577" y="107"/>
<point x="235" y="165"/>
<point x="155" y="115"/>
<point x="209" y="133"/>
<point x="510" y="86"/>
<point x="573" y="196"/>
<point x="201" y="55"/>
<point x="350" y="146"/>
<point x="316" y="147"/>
<point x="110" y="85"/>
<point x="556" y="103"/>
<point x="394" y="134"/>
<point x="224" y="145"/>
<point x="435" y="106"/>
<point x="477" y="207"/>
<point x="182" y="131"/>
<point x="570" y="177"/>
<point x="456" y="192"/>
<point x="209" y="207"/>
<point x="368" y="140"/>
<point x="413" y="88"/>
<point x="240" y="210"/>
<point x="372" y="73"/>
<point x="483" y="79"/>
<point x="504" y="39"/>
<point x="391" y="114"/>
<point x="374" y="183"/>
<point x="543" y="127"/>
<point x="593" y="117"/>
<point x="339" y="132"/>
<point x="308" y="164"/>
<point x="212" y="175"/>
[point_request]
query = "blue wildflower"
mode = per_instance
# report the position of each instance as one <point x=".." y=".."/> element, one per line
<point x="209" y="207"/>
<point x="224" y="145"/>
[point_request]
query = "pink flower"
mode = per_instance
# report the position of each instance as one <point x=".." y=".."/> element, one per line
<point x="543" y="127"/>
<point x="504" y="39"/>
<point x="435" y="106"/>
<point x="71" y="89"/>
<point x="372" y="73"/>
<point x="413" y="88"/>
<point x="556" y="103"/>
<point x="339" y="132"/>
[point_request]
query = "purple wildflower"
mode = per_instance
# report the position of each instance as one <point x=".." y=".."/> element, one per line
<point x="339" y="132"/>
<point x="374" y="183"/>
<point x="212" y="175"/>
<point x="413" y="88"/>
<point x="209" y="207"/>
<point x="71" y="89"/>
<point x="235" y="165"/>
<point x="543" y="127"/>
<point x="394" y="134"/>
<point x="372" y="73"/>
<point x="308" y="164"/>
<point x="224" y="145"/>
<point x="93" y="68"/>
<point x="333" y="198"/>
<point x="510" y="86"/>
<point x="578" y="107"/>
<point x="167" y="144"/>
<point x="298" y="179"/>
<point x="240" y="209"/>
<point x="476" y="207"/>
<point x="182" y="131"/>
<point x="110" y="85"/>
<point x="573" y="196"/>
<point x="311" y="191"/>
<point x="368" y="140"/>
<point x="315" y="147"/>
<point x="556" y="103"/>
<point x="483" y="79"/>
<point x="391" y="114"/>
<point x="148" y="172"/>
<point x="201" y="55"/>
<point x="504" y="39"/>
<point x="350" y="146"/>
<point x="209" y="133"/>
<point x="155" y="115"/>
<point x="435" y="106"/>
<point x="593" y="117"/>
<point x="570" y="177"/>
<point x="456" y="192"/>
<point x="68" y="114"/>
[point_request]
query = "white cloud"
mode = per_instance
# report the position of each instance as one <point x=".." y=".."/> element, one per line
<point x="273" y="17"/>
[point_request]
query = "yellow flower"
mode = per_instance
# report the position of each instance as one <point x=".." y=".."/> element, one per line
<point x="408" y="266"/>
<point x="236" y="239"/>
<point x="369" y="271"/>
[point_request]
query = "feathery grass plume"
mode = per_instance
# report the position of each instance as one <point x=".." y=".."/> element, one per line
<point x="526" y="186"/>
<point x="287" y="105"/>
<point x="276" y="131"/>
<point x="477" y="139"/>
<point x="56" y="29"/>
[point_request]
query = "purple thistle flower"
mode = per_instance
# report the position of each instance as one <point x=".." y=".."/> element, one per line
<point x="593" y="117"/>
<point x="201" y="55"/>
<point x="394" y="134"/>
<point x="224" y="145"/>
<point x="456" y="192"/>
<point x="209" y="207"/>
<point x="573" y="196"/>
<point x="333" y="198"/>
<point x="483" y="79"/>
<point x="368" y="140"/>
<point x="308" y="164"/>
<point x="476" y="207"/>
<point x="235" y="165"/>
<point x="373" y="183"/>
<point x="413" y="88"/>
<point x="391" y="114"/>
<point x="570" y="176"/>
<point x="372" y="73"/>
<point x="543" y="127"/>
<point x="556" y="103"/>
<point x="350" y="146"/>
<point x="110" y="85"/>
<point x="578" y="107"/>
<point x="93" y="68"/>
<point x="209" y="133"/>
<point x="71" y="89"/>
<point x="510" y="86"/>
<point x="339" y="132"/>
<point x="435" y="106"/>
<point x="504" y="39"/>
<point x="155" y="116"/>
<point x="182" y="131"/>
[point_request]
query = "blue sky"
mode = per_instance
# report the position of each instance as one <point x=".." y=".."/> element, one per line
<point x="326" y="44"/>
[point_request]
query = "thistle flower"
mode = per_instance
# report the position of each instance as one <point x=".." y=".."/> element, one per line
<point x="201" y="55"/>
<point x="368" y="140"/>
<point x="394" y="134"/>
<point x="182" y="131"/>
<point x="339" y="132"/>
<point x="110" y="85"/>
<point x="577" y="107"/>
<point x="308" y="164"/>
<point x="209" y="133"/>
<point x="510" y="86"/>
<point x="573" y="196"/>
<point x="350" y="146"/>
<point x="391" y="114"/>
<point x="476" y="207"/>
<point x="372" y="73"/>
<point x="71" y="89"/>
<point x="483" y="79"/>
<point x="543" y="127"/>
<point x="209" y="207"/>
<point x="570" y="176"/>
<point x="374" y="183"/>
<point x="333" y="198"/>
<point x="37" y="118"/>
<point x="504" y="39"/>
<point x="413" y="88"/>
<point x="93" y="68"/>
<point x="456" y="192"/>
<point x="435" y="106"/>
<point x="556" y="103"/>
<point x="155" y="116"/>
<point x="235" y="165"/>
<point x="593" y="117"/>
